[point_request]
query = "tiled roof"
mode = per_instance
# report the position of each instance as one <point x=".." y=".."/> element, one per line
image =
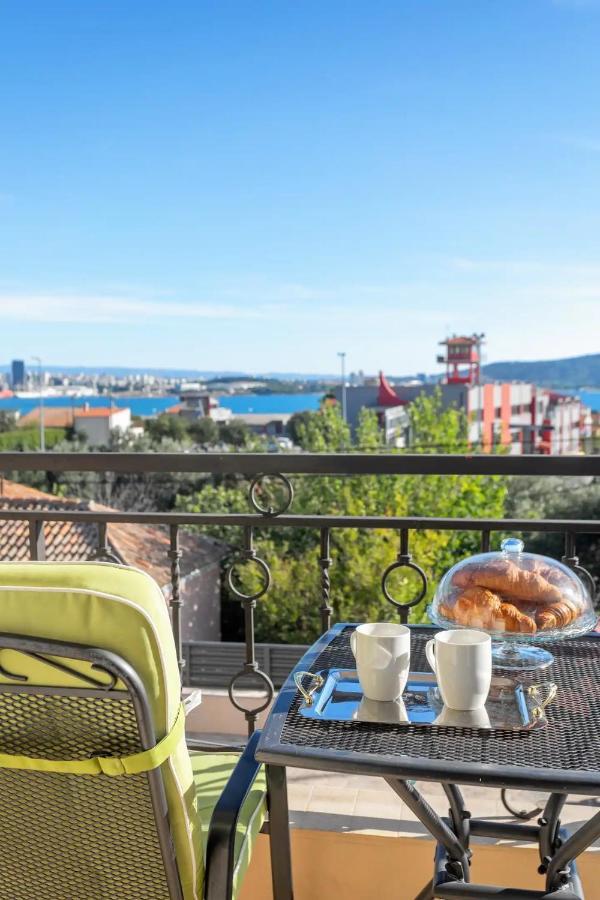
<point x="54" y="417"/>
<point x="64" y="540"/>
<point x="142" y="546"/>
<point x="98" y="412"/>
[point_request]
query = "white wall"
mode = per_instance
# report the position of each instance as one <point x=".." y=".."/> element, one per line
<point x="97" y="429"/>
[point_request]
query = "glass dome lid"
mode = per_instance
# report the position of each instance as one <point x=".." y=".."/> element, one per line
<point x="514" y="595"/>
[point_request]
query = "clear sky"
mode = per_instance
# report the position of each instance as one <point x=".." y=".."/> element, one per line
<point x="258" y="185"/>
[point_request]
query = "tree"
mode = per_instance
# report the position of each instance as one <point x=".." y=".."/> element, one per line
<point x="235" y="432"/>
<point x="289" y="610"/>
<point x="8" y="421"/>
<point x="298" y="419"/>
<point x="203" y="431"/>
<point x="558" y="498"/>
<point x="173" y="427"/>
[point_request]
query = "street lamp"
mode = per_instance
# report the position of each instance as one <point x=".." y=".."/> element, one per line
<point x="342" y="357"/>
<point x="42" y="432"/>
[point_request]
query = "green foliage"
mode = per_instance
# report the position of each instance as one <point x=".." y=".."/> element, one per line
<point x="203" y="431"/>
<point x="289" y="610"/>
<point x="8" y="421"/>
<point x="167" y="426"/>
<point x="324" y="431"/>
<point x="235" y="432"/>
<point x="298" y="419"/>
<point x="29" y="438"/>
<point x="558" y="498"/>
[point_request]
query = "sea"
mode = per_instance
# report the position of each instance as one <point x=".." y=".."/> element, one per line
<point x="591" y="399"/>
<point x="153" y="406"/>
<point x="237" y="403"/>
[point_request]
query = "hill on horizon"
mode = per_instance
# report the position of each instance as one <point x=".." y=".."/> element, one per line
<point x="571" y="372"/>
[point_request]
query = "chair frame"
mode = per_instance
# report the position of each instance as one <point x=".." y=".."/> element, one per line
<point x="221" y="837"/>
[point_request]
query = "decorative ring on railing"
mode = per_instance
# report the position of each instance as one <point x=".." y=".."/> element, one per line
<point x="255" y="488"/>
<point x="404" y="563"/>
<point x="250" y="556"/>
<point x="251" y="671"/>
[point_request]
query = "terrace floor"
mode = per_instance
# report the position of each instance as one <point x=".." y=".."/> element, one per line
<point x="352" y="837"/>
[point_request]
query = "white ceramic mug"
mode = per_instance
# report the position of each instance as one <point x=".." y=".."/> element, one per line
<point x="390" y="712"/>
<point x="462" y="662"/>
<point x="382" y="653"/>
<point x="464" y="718"/>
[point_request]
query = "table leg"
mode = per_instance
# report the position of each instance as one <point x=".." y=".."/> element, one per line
<point x="279" y="833"/>
<point x="458" y="814"/>
<point x="458" y="854"/>
<point x="549" y="824"/>
<point x="561" y="867"/>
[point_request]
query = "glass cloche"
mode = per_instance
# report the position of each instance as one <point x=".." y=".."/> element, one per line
<point x="521" y="598"/>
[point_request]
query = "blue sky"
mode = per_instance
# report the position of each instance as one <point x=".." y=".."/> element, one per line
<point x="259" y="185"/>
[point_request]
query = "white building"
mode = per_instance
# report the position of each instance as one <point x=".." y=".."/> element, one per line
<point x="98" y="423"/>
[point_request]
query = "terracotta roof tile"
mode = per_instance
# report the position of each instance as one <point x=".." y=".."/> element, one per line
<point x="54" y="417"/>
<point x="142" y="546"/>
<point x="98" y="412"/>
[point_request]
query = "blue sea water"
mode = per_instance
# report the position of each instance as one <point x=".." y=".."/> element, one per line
<point x="591" y="399"/>
<point x="152" y="406"/>
<point x="271" y="403"/>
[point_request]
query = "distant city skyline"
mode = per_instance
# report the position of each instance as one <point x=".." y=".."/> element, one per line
<point x="250" y="188"/>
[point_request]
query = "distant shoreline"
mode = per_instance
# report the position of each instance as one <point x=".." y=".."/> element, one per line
<point x="147" y="406"/>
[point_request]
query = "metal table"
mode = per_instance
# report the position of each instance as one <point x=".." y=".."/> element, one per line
<point x="562" y="758"/>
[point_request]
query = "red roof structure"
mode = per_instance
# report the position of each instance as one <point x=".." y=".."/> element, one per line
<point x="143" y="546"/>
<point x="387" y="396"/>
<point x="97" y="412"/>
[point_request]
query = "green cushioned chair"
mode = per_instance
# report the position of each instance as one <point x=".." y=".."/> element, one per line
<point x="99" y="795"/>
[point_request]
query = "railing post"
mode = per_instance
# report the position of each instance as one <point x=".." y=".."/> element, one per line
<point x="485" y="541"/>
<point x="248" y="601"/>
<point x="325" y="562"/>
<point x="103" y="552"/>
<point x="37" y="541"/>
<point x="570" y="557"/>
<point x="176" y="601"/>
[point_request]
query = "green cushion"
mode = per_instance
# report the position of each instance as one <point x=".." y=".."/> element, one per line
<point x="211" y="771"/>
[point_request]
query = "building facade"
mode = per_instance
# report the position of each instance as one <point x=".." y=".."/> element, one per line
<point x="516" y="416"/>
<point x="98" y="423"/>
<point x="17" y="374"/>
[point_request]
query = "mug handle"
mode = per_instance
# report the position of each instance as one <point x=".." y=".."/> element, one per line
<point x="353" y="643"/>
<point x="430" y="653"/>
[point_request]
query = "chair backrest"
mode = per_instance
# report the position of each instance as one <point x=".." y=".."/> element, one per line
<point x="88" y="685"/>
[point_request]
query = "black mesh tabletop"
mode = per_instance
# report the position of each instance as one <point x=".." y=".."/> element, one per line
<point x="567" y="748"/>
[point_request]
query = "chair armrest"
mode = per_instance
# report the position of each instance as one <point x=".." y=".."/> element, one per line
<point x="192" y="700"/>
<point x="223" y="823"/>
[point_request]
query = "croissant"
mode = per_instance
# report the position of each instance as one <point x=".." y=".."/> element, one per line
<point x="506" y="578"/>
<point x="555" y="576"/>
<point x="479" y="607"/>
<point x="557" y="615"/>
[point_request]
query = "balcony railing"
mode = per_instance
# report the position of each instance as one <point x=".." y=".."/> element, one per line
<point x="282" y="466"/>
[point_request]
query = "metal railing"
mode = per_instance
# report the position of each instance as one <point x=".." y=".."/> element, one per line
<point x="259" y="466"/>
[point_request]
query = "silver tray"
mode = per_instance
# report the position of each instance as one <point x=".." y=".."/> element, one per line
<point x="335" y="695"/>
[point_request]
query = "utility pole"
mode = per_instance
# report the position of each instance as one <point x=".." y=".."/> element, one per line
<point x="342" y="357"/>
<point x="41" y="383"/>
